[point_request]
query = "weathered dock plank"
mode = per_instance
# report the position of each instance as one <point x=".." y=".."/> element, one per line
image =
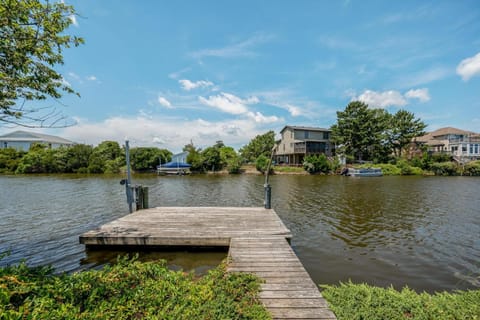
<point x="288" y="291"/>
<point x="257" y="241"/>
<point x="184" y="226"/>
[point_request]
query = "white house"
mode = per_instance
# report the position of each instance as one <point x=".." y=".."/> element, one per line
<point x="464" y="145"/>
<point x="22" y="140"/>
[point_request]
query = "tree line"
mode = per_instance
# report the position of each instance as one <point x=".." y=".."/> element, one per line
<point x="107" y="157"/>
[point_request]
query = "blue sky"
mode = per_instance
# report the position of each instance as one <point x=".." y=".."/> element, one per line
<point x="163" y="73"/>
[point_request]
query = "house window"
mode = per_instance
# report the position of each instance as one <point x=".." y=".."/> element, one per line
<point x="476" y="148"/>
<point x="471" y="149"/>
<point x="306" y="134"/>
<point x="326" y="135"/>
<point x="5" y="144"/>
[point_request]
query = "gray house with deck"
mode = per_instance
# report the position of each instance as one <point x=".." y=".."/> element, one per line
<point x="298" y="142"/>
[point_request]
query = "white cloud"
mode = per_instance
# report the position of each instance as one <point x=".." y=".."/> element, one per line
<point x="239" y="49"/>
<point x="75" y="76"/>
<point x="65" y="82"/>
<point x="189" y="85"/>
<point x="390" y="98"/>
<point x="420" y="94"/>
<point x="469" y="67"/>
<point x="164" y="102"/>
<point x="423" y="77"/>
<point x="177" y="74"/>
<point x="91" y="78"/>
<point x="258" y="117"/>
<point x="382" y="99"/>
<point x="294" y="111"/>
<point x="170" y="133"/>
<point x="73" y="19"/>
<point x="228" y="103"/>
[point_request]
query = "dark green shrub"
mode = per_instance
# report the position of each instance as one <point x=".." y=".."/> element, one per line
<point x="128" y="290"/>
<point x="234" y="165"/>
<point x="472" y="169"/>
<point x="361" y="301"/>
<point x="441" y="157"/>
<point x="444" y="168"/>
<point x="316" y="164"/>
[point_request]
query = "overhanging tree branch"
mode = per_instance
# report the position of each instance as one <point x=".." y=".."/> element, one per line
<point x="32" y="39"/>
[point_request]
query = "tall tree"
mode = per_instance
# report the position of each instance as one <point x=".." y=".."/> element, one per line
<point x="32" y="40"/>
<point x="360" y="131"/>
<point x="403" y="128"/>
<point x="260" y="145"/>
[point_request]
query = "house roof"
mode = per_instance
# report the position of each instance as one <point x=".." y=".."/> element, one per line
<point x="306" y="128"/>
<point x="19" y="136"/>
<point x="442" y="132"/>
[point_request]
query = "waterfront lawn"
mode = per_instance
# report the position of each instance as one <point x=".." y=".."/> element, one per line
<point x="361" y="301"/>
<point x="289" y="169"/>
<point x="128" y="290"/>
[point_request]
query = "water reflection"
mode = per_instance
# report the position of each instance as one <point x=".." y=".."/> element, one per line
<point x="197" y="260"/>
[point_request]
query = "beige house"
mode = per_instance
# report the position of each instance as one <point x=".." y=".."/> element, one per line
<point x="463" y="145"/>
<point x="298" y="142"/>
<point x="22" y="140"/>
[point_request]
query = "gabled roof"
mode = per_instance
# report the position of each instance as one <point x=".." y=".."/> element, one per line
<point x="33" y="137"/>
<point x="444" y="131"/>
<point x="305" y="128"/>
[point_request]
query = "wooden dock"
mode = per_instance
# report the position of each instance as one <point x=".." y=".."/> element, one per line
<point x="257" y="241"/>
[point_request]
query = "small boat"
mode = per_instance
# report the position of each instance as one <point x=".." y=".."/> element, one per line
<point x="174" y="168"/>
<point x="365" y="172"/>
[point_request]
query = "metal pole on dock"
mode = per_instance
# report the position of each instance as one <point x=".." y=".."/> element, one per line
<point x="268" y="189"/>
<point x="128" y="185"/>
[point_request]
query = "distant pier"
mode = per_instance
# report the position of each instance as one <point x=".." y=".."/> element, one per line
<point x="257" y="241"/>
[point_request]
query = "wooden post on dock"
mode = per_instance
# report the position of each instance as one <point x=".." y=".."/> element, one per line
<point x="141" y="197"/>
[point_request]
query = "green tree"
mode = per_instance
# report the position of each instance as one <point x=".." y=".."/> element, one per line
<point x="194" y="157"/>
<point x="144" y="158"/>
<point x="9" y="159"/>
<point x="33" y="38"/>
<point x="260" y="145"/>
<point x="261" y="164"/>
<point x="212" y="159"/>
<point x="360" y="131"/>
<point x="403" y="128"/>
<point x="107" y="157"/>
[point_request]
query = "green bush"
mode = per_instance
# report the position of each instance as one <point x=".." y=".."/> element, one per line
<point x="361" y="301"/>
<point x="472" y="169"/>
<point x="128" y="290"/>
<point x="261" y="164"/>
<point x="444" y="168"/>
<point x="234" y="165"/>
<point x="441" y="157"/>
<point x="316" y="164"/>
<point x="407" y="169"/>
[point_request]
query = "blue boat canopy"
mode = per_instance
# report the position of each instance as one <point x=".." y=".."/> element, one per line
<point x="174" y="165"/>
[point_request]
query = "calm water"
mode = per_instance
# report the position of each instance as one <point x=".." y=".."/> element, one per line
<point x="423" y="232"/>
